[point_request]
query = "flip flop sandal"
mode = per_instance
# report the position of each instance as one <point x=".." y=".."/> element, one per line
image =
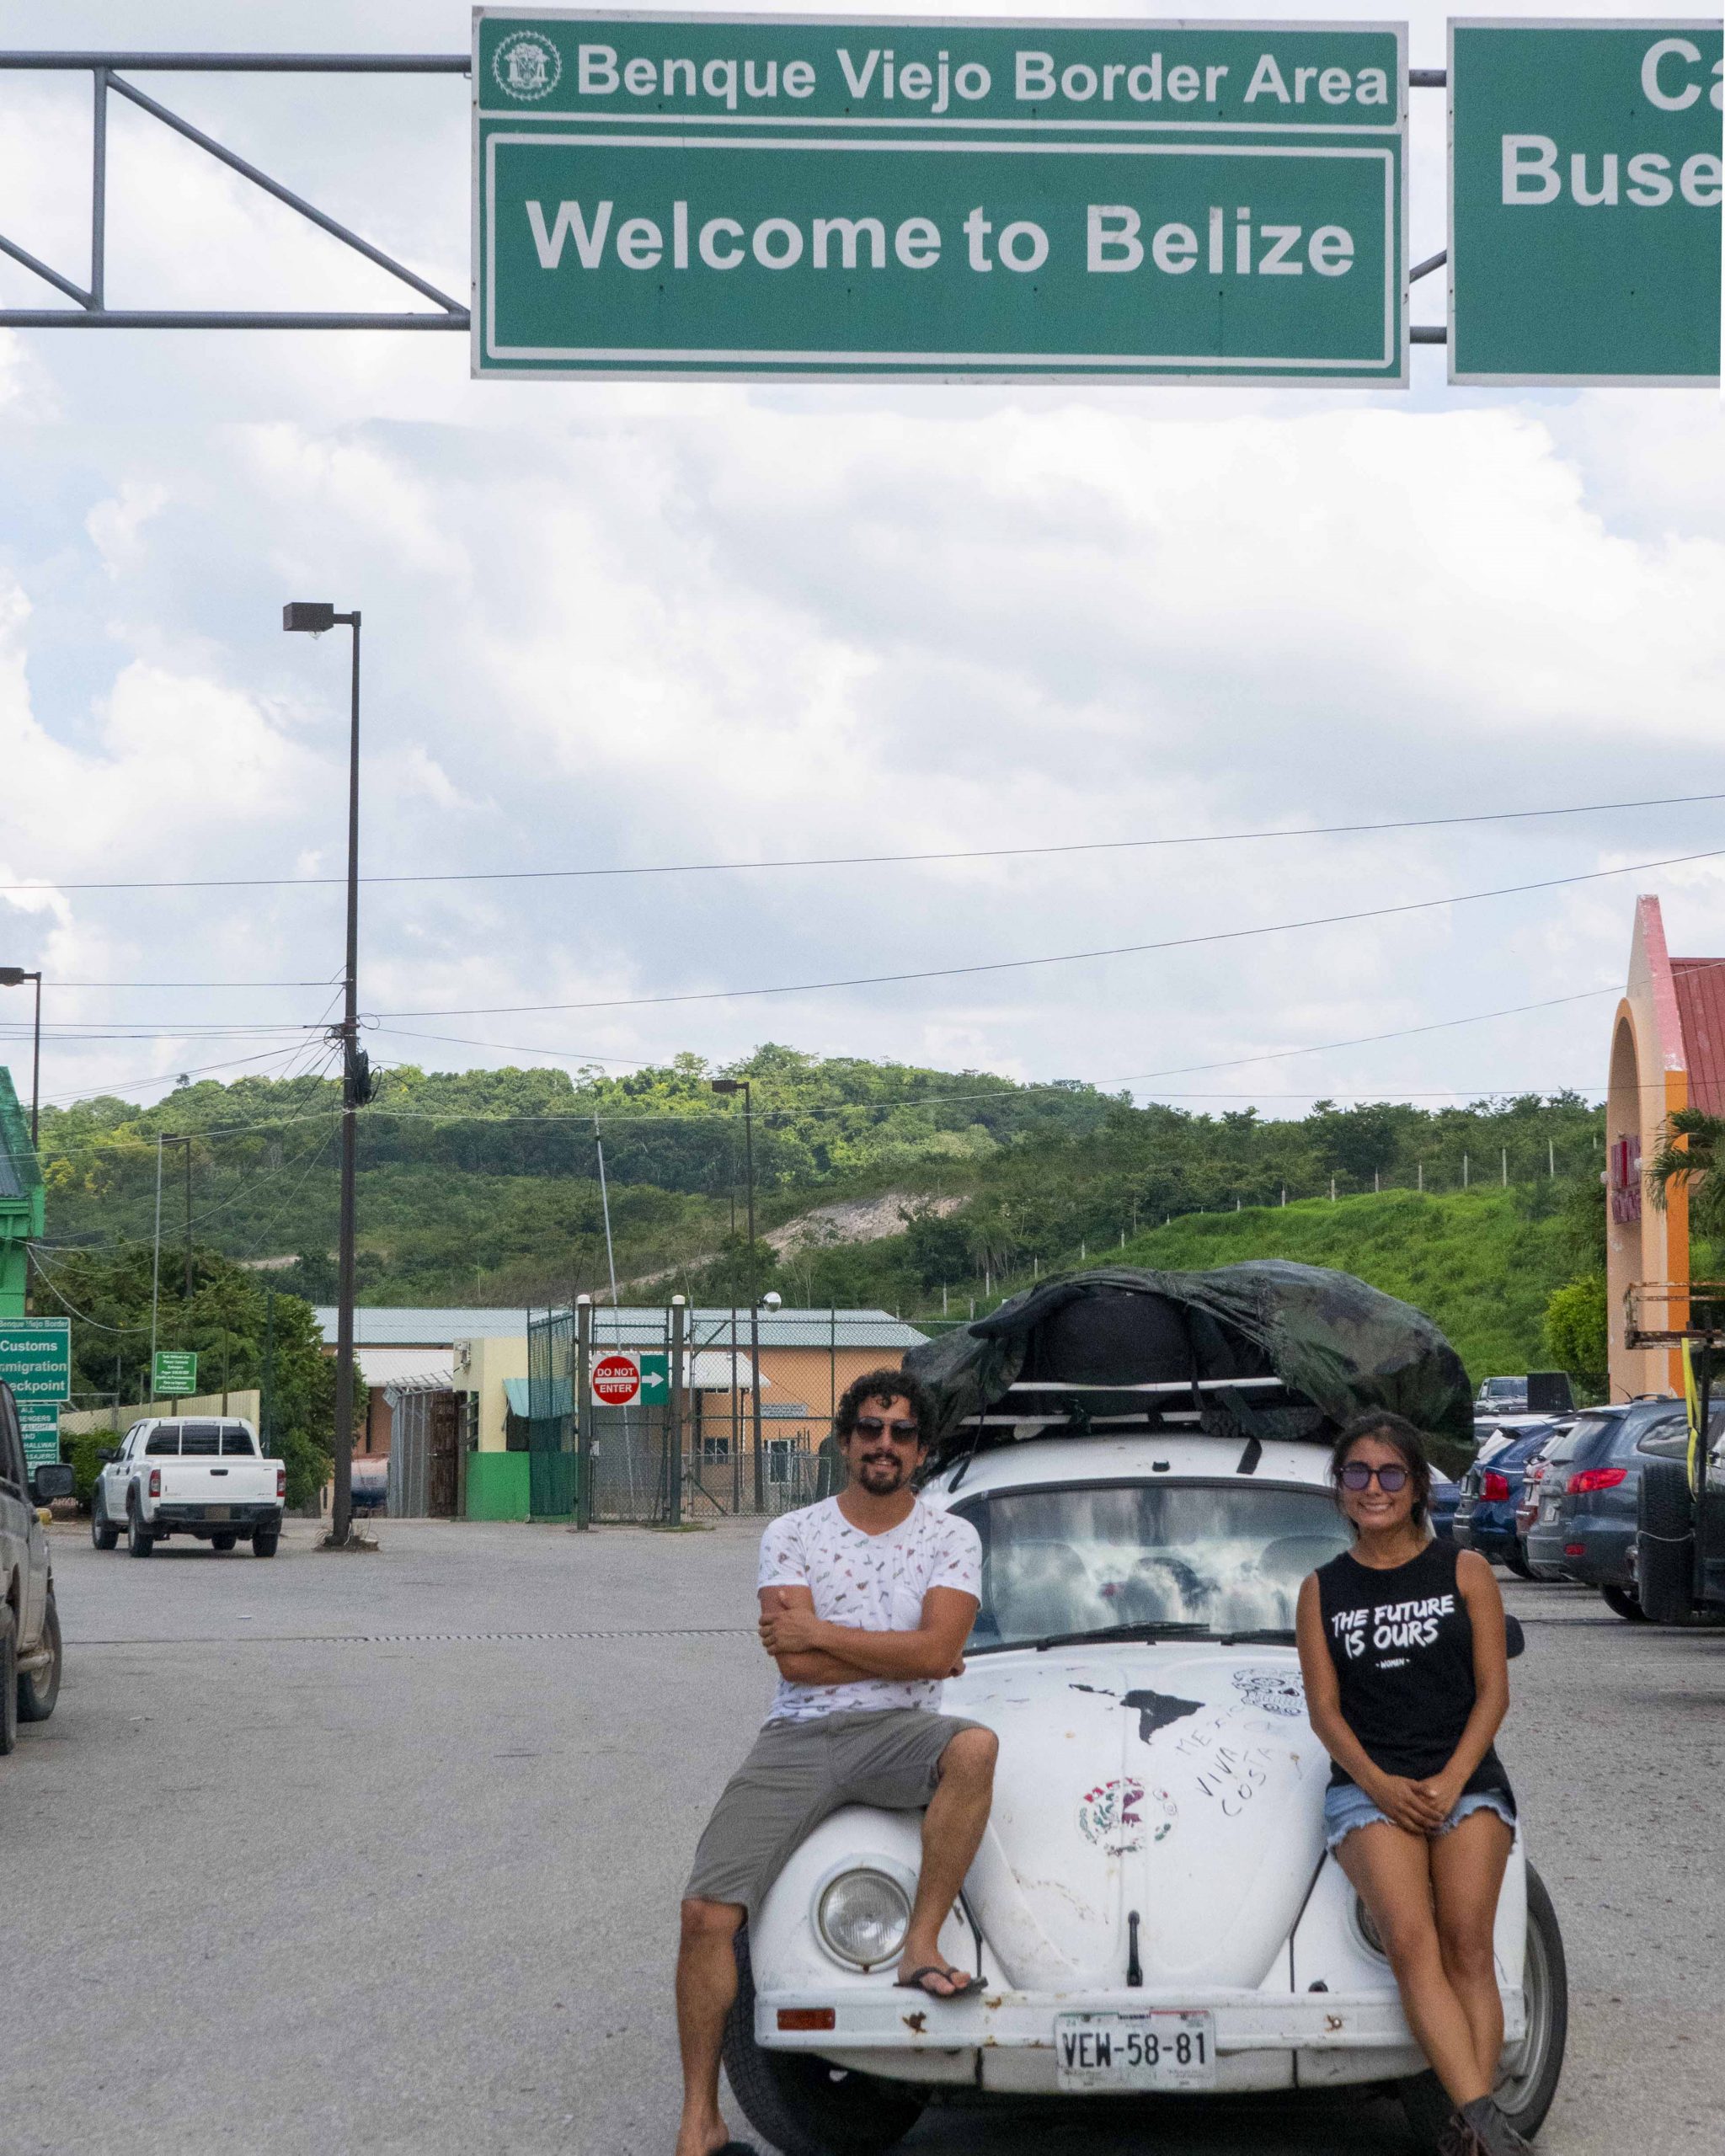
<point x="736" y="2149"/>
<point x="963" y="1985"/>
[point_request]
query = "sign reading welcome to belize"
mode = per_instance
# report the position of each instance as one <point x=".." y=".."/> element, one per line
<point x="959" y="201"/>
<point x="1585" y="173"/>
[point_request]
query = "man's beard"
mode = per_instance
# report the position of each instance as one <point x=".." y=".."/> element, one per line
<point x="871" y="1469"/>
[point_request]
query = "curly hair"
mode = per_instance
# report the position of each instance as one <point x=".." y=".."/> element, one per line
<point x="1396" y="1432"/>
<point x="881" y="1386"/>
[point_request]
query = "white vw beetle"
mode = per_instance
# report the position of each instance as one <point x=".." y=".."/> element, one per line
<point x="1151" y="1908"/>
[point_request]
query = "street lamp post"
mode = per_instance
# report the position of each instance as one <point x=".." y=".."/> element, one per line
<point x="315" y="617"/>
<point x="15" y="977"/>
<point x="741" y="1085"/>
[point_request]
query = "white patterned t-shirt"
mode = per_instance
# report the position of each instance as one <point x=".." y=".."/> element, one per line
<point x="869" y="1583"/>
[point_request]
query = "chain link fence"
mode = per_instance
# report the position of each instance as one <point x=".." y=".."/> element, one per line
<point x="729" y="1418"/>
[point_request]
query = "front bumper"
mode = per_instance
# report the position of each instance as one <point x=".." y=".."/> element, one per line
<point x="890" y="2019"/>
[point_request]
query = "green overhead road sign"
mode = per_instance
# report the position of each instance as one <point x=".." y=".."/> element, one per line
<point x="173" y="1374"/>
<point x="710" y="196"/>
<point x="36" y="1360"/>
<point x="1585" y="177"/>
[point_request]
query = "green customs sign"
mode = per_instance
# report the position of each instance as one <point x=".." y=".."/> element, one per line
<point x="1584" y="188"/>
<point x="173" y="1374"/>
<point x="36" y="1360"/>
<point x="959" y="201"/>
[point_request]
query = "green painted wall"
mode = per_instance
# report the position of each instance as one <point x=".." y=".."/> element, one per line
<point x="497" y="1486"/>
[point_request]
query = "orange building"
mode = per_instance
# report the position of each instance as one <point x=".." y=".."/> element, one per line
<point x="1668" y="1051"/>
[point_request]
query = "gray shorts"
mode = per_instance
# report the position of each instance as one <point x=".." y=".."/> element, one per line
<point x="798" y="1773"/>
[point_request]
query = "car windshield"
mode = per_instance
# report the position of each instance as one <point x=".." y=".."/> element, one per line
<point x="1103" y="1557"/>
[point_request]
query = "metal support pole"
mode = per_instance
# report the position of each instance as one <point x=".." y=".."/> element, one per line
<point x="754" y="1303"/>
<point x="341" y="1504"/>
<point x="1699" y="1585"/>
<point x="674" y="1416"/>
<point x="187" y="1143"/>
<point x="156" y="1270"/>
<point x="583" y="1415"/>
<point x="266" y="1405"/>
<point x="99" y="189"/>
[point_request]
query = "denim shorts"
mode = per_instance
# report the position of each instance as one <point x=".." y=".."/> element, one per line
<point x="1347" y="1805"/>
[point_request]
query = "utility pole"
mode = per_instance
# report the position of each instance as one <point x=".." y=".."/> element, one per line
<point x="155" y="1270"/>
<point x="315" y="616"/>
<point x="742" y="1086"/>
<point x="187" y="1143"/>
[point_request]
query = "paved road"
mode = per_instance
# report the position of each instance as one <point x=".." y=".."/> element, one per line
<point x="381" y="1854"/>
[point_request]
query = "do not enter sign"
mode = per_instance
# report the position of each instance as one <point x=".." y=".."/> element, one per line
<point x="616" y="1380"/>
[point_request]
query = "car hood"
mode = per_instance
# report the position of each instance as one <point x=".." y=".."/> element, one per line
<point x="1181" y="1784"/>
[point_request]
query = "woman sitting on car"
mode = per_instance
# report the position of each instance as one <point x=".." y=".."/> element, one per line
<point x="1406" y="1682"/>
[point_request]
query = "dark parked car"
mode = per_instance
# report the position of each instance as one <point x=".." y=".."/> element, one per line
<point x="1446" y="1496"/>
<point x="1491" y="1489"/>
<point x="1588" y="1500"/>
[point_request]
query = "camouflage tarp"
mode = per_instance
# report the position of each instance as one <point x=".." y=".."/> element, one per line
<point x="1340" y="1347"/>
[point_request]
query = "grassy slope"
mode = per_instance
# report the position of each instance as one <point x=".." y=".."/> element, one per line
<point x="1473" y="1261"/>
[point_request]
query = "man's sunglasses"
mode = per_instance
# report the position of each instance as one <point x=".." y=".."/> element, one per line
<point x="1357" y="1475"/>
<point x="871" y="1425"/>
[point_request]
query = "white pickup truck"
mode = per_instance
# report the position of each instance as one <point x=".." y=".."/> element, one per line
<point x="189" y="1475"/>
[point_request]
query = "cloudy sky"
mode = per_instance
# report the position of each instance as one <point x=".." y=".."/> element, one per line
<point x="632" y="625"/>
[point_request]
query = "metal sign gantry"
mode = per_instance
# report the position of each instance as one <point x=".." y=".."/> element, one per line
<point x="88" y="307"/>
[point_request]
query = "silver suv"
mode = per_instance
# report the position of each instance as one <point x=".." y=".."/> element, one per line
<point x="29" y="1625"/>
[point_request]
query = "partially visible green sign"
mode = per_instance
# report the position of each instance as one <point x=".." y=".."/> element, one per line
<point x="36" y="1360"/>
<point x="1585" y="178"/>
<point x="948" y="200"/>
<point x="656" y="1377"/>
<point x="173" y="1374"/>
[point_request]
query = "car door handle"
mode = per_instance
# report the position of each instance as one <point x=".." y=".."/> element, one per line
<point x="218" y="1471"/>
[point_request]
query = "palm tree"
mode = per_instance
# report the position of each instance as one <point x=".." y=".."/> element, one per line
<point x="1692" y="1148"/>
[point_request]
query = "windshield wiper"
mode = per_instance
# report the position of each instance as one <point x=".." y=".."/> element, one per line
<point x="1272" y="1635"/>
<point x="1161" y="1628"/>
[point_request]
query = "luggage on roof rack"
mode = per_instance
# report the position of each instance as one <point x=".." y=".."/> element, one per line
<point x="1265" y="1350"/>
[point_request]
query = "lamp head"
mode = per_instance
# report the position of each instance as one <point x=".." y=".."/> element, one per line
<point x="726" y="1085"/>
<point x="13" y="976"/>
<point x="315" y="615"/>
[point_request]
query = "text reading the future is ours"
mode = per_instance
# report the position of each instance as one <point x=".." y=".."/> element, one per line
<point x="1115" y="239"/>
<point x="942" y="85"/>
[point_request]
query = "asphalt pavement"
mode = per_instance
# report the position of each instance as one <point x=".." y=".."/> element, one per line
<point x="383" y="1853"/>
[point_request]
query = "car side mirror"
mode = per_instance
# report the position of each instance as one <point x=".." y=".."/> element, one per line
<point x="51" y="1480"/>
<point x="107" y="1452"/>
<point x="1514" y="1639"/>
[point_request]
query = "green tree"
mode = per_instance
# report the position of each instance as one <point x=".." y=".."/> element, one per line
<point x="1577" y="1331"/>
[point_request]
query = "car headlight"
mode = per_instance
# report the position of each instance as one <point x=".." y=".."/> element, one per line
<point x="863" y="1917"/>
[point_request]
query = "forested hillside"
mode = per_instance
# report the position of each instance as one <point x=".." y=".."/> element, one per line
<point x="484" y="1186"/>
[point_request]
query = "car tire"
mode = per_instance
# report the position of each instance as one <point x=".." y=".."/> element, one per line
<point x="103" y="1531"/>
<point x="139" y="1541"/>
<point x="262" y="1544"/>
<point x="223" y="1542"/>
<point x="9" y="1680"/>
<point x="1517" y="1563"/>
<point x="805" y="2106"/>
<point x="1528" y="2075"/>
<point x="1664" y="1543"/>
<point x="1622" y="1602"/>
<point x="38" y="1690"/>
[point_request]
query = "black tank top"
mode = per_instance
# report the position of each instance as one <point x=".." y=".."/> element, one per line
<point x="1403" y="1644"/>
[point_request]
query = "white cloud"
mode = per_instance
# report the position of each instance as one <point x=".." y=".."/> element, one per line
<point x="609" y="626"/>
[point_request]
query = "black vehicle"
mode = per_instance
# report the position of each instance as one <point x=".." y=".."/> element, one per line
<point x="1589" y="1498"/>
<point x="30" y="1624"/>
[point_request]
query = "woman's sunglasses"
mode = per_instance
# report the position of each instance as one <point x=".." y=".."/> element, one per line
<point x="871" y="1425"/>
<point x="1357" y="1475"/>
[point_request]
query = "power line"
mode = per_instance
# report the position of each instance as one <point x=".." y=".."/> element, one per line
<point x="1060" y="957"/>
<point x="866" y="860"/>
